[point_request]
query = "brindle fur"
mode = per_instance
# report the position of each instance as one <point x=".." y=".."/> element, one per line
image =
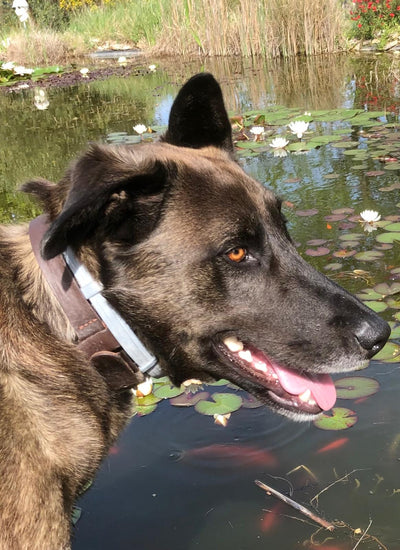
<point x="153" y="223"/>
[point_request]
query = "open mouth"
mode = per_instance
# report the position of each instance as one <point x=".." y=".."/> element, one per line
<point x="300" y="392"/>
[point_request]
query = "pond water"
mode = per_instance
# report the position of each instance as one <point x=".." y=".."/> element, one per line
<point x="175" y="480"/>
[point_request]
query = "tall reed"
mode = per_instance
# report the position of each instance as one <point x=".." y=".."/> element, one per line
<point x="249" y="27"/>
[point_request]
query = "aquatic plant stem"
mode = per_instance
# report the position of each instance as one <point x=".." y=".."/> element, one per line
<point x="295" y="505"/>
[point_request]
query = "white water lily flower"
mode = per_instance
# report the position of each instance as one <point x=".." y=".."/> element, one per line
<point x="84" y="72"/>
<point x="369" y="219"/>
<point x="8" y="66"/>
<point x="307" y="113"/>
<point x="298" y="127"/>
<point x="279" y="143"/>
<point x="21" y="70"/>
<point x="257" y="130"/>
<point x="370" y="216"/>
<point x="122" y="60"/>
<point x="144" y="388"/>
<point x="140" y="129"/>
<point x="152" y="68"/>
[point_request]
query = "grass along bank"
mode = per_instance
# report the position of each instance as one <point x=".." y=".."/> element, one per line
<point x="209" y="27"/>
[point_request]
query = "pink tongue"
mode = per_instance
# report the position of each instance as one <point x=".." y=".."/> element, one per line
<point x="321" y="385"/>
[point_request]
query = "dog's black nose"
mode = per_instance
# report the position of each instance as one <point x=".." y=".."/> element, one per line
<point x="372" y="335"/>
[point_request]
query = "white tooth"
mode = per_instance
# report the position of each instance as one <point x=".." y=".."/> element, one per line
<point x="312" y="402"/>
<point x="260" y="366"/>
<point x="233" y="344"/>
<point x="246" y="356"/>
<point x="305" y="396"/>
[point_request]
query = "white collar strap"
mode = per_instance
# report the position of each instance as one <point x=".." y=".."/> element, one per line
<point x="130" y="343"/>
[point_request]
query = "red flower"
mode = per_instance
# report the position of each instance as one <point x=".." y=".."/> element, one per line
<point x="359" y="25"/>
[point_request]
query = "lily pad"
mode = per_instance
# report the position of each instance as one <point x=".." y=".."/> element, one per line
<point x="350" y="237"/>
<point x="369" y="255"/>
<point x="389" y="237"/>
<point x="392" y="227"/>
<point x="167" y="391"/>
<point x="376" y="306"/>
<point x="343" y="253"/>
<point x="316" y="242"/>
<point x="189" y="399"/>
<point x="395" y="331"/>
<point x="340" y="419"/>
<point x="222" y="403"/>
<point x="334" y="266"/>
<point x="250" y="402"/>
<point x="355" y="387"/>
<point x="389" y="353"/>
<point x="320" y="251"/>
<point x="145" y="405"/>
<point x="335" y="217"/>
<point x="386" y="289"/>
<point x="344" y="144"/>
<point x="310" y="212"/>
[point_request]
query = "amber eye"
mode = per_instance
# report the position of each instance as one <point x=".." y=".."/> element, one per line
<point x="237" y="254"/>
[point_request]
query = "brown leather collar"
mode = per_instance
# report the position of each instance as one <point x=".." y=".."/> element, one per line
<point x="93" y="337"/>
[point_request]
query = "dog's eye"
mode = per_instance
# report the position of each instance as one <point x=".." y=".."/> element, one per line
<point x="237" y="255"/>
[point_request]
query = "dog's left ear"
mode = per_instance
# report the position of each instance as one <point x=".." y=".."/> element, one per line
<point x="198" y="116"/>
<point x="108" y="186"/>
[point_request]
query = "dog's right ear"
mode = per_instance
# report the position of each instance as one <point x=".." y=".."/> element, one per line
<point x="106" y="185"/>
<point x="198" y="116"/>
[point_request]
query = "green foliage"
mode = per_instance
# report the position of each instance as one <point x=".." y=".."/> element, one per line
<point x="47" y="13"/>
<point x="371" y="18"/>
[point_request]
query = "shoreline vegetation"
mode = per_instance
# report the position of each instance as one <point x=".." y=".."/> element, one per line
<point x="61" y="31"/>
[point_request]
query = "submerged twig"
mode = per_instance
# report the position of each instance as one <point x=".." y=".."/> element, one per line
<point x="334" y="483"/>
<point x="363" y="535"/>
<point x="295" y="505"/>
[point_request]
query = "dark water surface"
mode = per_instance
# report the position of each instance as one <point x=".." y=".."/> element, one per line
<point x="168" y="484"/>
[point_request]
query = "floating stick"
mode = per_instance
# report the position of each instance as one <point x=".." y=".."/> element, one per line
<point x="295" y="505"/>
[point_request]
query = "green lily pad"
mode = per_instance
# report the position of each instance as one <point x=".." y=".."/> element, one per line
<point x="395" y="331"/>
<point x="167" y="391"/>
<point x="354" y="387"/>
<point x="369" y="294"/>
<point x="334" y="266"/>
<point x="301" y="146"/>
<point x="221" y="382"/>
<point x="369" y="255"/>
<point x="386" y="289"/>
<point x="376" y="306"/>
<point x="145" y="405"/>
<point x="389" y="237"/>
<point x="340" y="419"/>
<point x="223" y="403"/>
<point x="350" y="237"/>
<point x="389" y="353"/>
<point x="392" y="227"/>
<point x="76" y="514"/>
<point x="344" y="144"/>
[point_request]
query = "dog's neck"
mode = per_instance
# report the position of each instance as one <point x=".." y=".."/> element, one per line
<point x="102" y="334"/>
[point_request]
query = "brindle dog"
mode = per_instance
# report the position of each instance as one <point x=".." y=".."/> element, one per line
<point x="195" y="256"/>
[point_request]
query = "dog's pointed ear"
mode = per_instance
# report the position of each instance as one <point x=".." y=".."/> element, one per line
<point x="198" y="116"/>
<point x="105" y="183"/>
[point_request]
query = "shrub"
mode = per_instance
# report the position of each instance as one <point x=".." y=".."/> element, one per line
<point x="371" y="18"/>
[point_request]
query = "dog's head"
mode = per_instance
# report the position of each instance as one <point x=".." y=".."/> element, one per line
<point x="196" y="257"/>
